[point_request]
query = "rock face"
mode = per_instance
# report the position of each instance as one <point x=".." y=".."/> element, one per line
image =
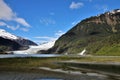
<point x="10" y="42"/>
<point x="25" y="42"/>
<point x="95" y="34"/>
<point x="6" y="44"/>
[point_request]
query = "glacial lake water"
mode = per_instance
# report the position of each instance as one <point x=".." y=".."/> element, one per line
<point x="27" y="55"/>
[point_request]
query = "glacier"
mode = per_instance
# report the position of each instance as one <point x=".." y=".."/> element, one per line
<point x="35" y="49"/>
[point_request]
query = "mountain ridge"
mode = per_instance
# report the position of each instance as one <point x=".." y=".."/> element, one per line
<point x="91" y="31"/>
<point x="10" y="42"/>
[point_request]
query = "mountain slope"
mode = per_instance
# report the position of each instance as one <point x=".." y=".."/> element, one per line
<point x="6" y="44"/>
<point x="99" y="35"/>
<point x="9" y="41"/>
<point x="20" y="40"/>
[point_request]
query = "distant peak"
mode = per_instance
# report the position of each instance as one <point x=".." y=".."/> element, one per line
<point x="5" y="34"/>
<point x="110" y="12"/>
<point x="114" y="11"/>
<point x="2" y="30"/>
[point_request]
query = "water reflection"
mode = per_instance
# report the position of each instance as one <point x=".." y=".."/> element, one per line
<point x="48" y="79"/>
<point x="27" y="55"/>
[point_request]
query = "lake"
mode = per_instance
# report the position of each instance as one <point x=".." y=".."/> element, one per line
<point x="27" y="55"/>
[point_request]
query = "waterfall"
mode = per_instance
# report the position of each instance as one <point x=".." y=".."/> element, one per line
<point x="82" y="53"/>
<point x="66" y="53"/>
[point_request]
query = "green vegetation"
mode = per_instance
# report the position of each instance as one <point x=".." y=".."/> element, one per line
<point x="34" y="63"/>
<point x="110" y="50"/>
<point x="107" y="46"/>
<point x="3" y="49"/>
<point x="94" y="45"/>
<point x="26" y="62"/>
<point x="95" y="34"/>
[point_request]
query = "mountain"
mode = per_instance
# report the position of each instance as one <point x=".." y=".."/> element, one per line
<point x="98" y="35"/>
<point x="6" y="44"/>
<point x="9" y="41"/>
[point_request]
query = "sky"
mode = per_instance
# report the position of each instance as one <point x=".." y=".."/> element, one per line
<point x="46" y="20"/>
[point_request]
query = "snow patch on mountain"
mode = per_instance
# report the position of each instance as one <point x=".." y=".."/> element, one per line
<point x="35" y="49"/>
<point x="114" y="11"/>
<point x="7" y="35"/>
<point x="110" y="12"/>
<point x="118" y="10"/>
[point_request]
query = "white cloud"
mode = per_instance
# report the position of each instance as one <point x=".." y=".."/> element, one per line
<point x="42" y="39"/>
<point x="9" y="26"/>
<point x="6" y="14"/>
<point x="12" y="27"/>
<point x="76" y="5"/>
<point x="2" y="24"/>
<point x="24" y="29"/>
<point x="47" y="21"/>
<point x="46" y="38"/>
<point x="22" y="21"/>
<point x="59" y="33"/>
<point x="103" y="8"/>
<point x="75" y="22"/>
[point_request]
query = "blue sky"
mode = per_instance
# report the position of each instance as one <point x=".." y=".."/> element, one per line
<point x="46" y="20"/>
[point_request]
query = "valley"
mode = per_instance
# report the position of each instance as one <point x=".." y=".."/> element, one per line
<point x="77" y="41"/>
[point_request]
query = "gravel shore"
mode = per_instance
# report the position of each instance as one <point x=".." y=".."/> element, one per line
<point x="47" y="75"/>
